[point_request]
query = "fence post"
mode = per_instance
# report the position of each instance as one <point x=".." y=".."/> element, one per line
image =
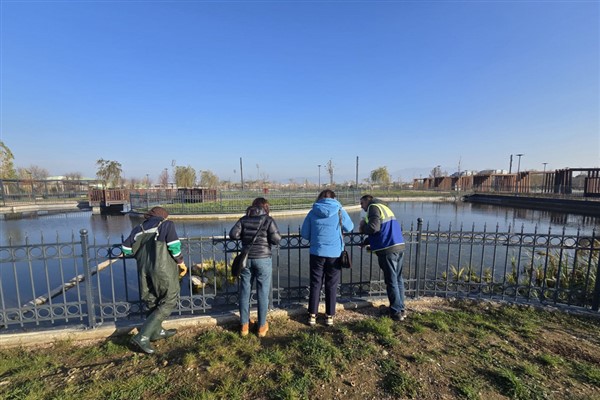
<point x="89" y="297"/>
<point x="596" y="299"/>
<point x="418" y="256"/>
<point x="2" y="192"/>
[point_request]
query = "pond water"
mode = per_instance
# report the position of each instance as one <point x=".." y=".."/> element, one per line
<point x="446" y="215"/>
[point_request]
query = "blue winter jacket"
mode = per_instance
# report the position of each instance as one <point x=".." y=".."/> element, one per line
<point x="322" y="228"/>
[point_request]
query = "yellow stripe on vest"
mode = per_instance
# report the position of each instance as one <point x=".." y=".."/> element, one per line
<point x="386" y="213"/>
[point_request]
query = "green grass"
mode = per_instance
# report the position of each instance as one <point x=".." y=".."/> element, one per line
<point x="466" y="387"/>
<point x="397" y="382"/>
<point x="468" y="351"/>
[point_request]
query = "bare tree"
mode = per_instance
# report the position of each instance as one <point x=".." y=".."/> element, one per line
<point x="436" y="172"/>
<point x="330" y="172"/>
<point x="163" y="178"/>
<point x="33" y="172"/>
<point x="73" y="176"/>
<point x="133" y="183"/>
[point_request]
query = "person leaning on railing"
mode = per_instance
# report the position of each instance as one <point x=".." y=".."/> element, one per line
<point x="322" y="227"/>
<point x="258" y="232"/>
<point x="386" y="241"/>
<point x="157" y="249"/>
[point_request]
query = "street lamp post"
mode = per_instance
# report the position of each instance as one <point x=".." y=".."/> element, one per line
<point x="545" y="166"/>
<point x="518" y="171"/>
<point x="319" y="176"/>
<point x="30" y="182"/>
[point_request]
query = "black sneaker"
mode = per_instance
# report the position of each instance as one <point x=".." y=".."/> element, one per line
<point x="399" y="316"/>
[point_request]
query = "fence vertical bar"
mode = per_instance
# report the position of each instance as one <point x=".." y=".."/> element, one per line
<point x="418" y="256"/>
<point x="2" y="192"/>
<point x="89" y="297"/>
<point x="596" y="299"/>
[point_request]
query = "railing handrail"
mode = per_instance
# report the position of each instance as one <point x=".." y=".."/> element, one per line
<point x="539" y="267"/>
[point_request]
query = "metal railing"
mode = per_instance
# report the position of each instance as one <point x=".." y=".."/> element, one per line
<point x="85" y="282"/>
<point x="31" y="191"/>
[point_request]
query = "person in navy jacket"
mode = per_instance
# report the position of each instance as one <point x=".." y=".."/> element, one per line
<point x="386" y="241"/>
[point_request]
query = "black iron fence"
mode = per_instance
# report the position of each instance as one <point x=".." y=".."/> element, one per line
<point x="82" y="281"/>
<point x="40" y="191"/>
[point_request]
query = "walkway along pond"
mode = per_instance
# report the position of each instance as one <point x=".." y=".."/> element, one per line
<point x="550" y="267"/>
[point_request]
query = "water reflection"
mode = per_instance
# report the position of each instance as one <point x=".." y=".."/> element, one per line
<point x="445" y="215"/>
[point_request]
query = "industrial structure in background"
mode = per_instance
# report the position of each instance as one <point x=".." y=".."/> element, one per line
<point x="569" y="181"/>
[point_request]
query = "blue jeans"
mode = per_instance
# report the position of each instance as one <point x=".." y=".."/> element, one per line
<point x="391" y="264"/>
<point x="261" y="271"/>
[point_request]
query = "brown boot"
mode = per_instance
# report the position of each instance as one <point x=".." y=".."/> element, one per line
<point x="262" y="331"/>
<point x="245" y="329"/>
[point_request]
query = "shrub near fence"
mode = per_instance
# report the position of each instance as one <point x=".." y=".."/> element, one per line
<point x="85" y="282"/>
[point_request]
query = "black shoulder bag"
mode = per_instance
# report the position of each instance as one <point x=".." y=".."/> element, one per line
<point x="344" y="261"/>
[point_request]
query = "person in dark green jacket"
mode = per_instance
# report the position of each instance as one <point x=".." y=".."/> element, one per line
<point x="157" y="249"/>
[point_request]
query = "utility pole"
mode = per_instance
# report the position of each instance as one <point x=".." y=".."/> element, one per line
<point x="356" y="172"/>
<point x="319" y="176"/>
<point x="242" y="173"/>
<point x="519" y="171"/>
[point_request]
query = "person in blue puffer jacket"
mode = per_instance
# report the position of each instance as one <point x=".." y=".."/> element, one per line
<point x="323" y="227"/>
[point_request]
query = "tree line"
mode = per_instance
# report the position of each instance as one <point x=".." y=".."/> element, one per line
<point x="110" y="173"/>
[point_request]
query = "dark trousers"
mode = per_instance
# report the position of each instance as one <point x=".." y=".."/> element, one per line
<point x="159" y="286"/>
<point x="323" y="269"/>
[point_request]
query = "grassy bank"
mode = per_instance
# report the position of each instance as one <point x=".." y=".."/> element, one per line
<point x="237" y="202"/>
<point x="444" y="350"/>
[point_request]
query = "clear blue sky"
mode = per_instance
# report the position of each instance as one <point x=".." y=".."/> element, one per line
<point x="289" y="85"/>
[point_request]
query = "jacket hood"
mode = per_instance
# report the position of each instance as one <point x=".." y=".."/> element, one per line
<point x="326" y="207"/>
<point x="158" y="212"/>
